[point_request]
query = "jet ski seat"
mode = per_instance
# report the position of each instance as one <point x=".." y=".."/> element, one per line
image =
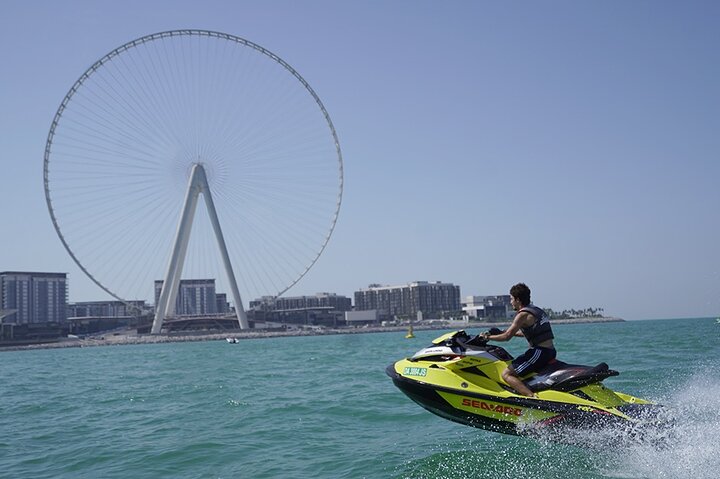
<point x="561" y="376"/>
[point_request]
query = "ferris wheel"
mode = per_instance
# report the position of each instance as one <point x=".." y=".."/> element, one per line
<point x="168" y="119"/>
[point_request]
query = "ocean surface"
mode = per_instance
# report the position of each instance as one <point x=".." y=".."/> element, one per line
<point x="322" y="407"/>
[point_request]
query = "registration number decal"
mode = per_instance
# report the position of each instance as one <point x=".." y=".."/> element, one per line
<point x="415" y="372"/>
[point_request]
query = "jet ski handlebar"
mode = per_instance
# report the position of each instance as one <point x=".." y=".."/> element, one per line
<point x="464" y="340"/>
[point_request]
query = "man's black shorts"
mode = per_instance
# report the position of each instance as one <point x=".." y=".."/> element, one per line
<point x="533" y="360"/>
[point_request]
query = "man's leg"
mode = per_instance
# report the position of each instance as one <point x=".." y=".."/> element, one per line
<point x="514" y="382"/>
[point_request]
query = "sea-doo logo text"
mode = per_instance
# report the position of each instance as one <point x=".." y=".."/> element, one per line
<point x="415" y="372"/>
<point x="489" y="407"/>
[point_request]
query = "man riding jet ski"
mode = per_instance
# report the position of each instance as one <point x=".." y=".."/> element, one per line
<point x="533" y="324"/>
<point x="459" y="377"/>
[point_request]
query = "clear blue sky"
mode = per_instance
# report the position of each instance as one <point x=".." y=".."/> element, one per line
<point x="570" y="145"/>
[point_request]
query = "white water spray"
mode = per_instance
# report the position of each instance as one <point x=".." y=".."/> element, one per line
<point x="691" y="447"/>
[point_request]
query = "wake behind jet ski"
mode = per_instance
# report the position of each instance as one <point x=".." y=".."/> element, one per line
<point x="458" y="377"/>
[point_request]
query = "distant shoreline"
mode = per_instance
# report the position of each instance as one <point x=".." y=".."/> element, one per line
<point x="131" y="338"/>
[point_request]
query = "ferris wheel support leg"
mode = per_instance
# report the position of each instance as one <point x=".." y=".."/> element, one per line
<point x="168" y="294"/>
<point x="171" y="284"/>
<point x="237" y="300"/>
<point x="173" y="280"/>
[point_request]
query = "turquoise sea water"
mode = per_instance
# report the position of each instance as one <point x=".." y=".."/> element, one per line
<point x="323" y="407"/>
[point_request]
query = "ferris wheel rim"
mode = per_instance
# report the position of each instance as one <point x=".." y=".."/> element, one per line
<point x="172" y="33"/>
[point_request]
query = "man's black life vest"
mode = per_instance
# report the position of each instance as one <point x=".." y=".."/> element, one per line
<point x="540" y="330"/>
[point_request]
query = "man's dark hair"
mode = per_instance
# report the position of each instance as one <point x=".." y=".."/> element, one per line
<point x="521" y="292"/>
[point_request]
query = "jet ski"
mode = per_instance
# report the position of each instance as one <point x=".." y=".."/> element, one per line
<point x="458" y="377"/>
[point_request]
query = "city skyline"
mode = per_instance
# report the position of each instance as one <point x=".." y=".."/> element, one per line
<point x="572" y="148"/>
<point x="203" y="283"/>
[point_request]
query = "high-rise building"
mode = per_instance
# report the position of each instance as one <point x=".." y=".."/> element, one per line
<point x="35" y="297"/>
<point x="196" y="297"/>
<point x="222" y="305"/>
<point x="409" y="299"/>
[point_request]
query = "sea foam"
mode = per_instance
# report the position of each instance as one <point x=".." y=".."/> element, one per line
<point x="691" y="447"/>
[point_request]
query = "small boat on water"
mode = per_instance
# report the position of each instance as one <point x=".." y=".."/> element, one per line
<point x="232" y="340"/>
<point x="717" y="320"/>
<point x="410" y="334"/>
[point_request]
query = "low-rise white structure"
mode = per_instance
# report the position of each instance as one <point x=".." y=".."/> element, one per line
<point x="360" y="318"/>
